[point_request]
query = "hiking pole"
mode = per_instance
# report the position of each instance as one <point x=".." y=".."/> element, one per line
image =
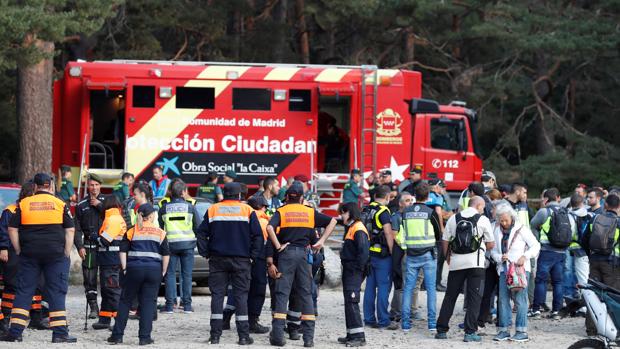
<point x="86" y="317"/>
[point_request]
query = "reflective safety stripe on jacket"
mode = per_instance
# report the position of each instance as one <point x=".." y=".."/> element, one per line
<point x="178" y="222"/>
<point x="419" y="232"/>
<point x="144" y="245"/>
<point x="112" y="231"/>
<point x="523" y="213"/>
<point x="377" y="227"/>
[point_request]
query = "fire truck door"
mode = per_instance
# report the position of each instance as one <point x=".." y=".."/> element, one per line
<point x="334" y="153"/>
<point x="448" y="154"/>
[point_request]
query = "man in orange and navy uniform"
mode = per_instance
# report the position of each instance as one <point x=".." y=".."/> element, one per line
<point x="10" y="266"/>
<point x="41" y="232"/>
<point x="297" y="224"/>
<point x="230" y="236"/>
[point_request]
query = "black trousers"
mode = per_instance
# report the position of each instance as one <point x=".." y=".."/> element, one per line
<point x="110" y="292"/>
<point x="352" y="278"/>
<point x="142" y="283"/>
<point x="475" y="284"/>
<point x="258" y="288"/>
<point x="607" y="273"/>
<point x="491" y="280"/>
<point x="237" y="271"/>
<point x="293" y="315"/>
<point x="297" y="275"/>
<point x="441" y="259"/>
<point x="9" y="279"/>
<point x="89" y="271"/>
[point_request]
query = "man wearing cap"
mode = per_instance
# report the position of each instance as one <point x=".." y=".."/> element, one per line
<point x="66" y="192"/>
<point x="41" y="232"/>
<point x="415" y="177"/>
<point x="210" y="190"/>
<point x="231" y="237"/>
<point x="352" y="191"/>
<point x="296" y="224"/>
<point x="229" y="176"/>
<point x="88" y="220"/>
<point x="310" y="198"/>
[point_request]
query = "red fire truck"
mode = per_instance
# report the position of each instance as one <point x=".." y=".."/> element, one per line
<point x="257" y="120"/>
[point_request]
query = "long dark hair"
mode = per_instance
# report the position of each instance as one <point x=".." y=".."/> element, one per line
<point x="144" y="187"/>
<point x="111" y="201"/>
<point x="353" y="210"/>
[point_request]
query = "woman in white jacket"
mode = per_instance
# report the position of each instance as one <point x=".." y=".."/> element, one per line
<point x="514" y="243"/>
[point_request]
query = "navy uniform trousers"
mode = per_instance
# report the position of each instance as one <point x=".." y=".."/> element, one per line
<point x="56" y="273"/>
<point x="297" y="275"/>
<point x="352" y="278"/>
<point x="143" y="283"/>
<point x="237" y="271"/>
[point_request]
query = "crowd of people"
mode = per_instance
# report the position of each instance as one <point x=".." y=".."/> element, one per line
<point x="500" y="254"/>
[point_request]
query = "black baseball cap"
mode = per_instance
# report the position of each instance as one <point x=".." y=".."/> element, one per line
<point x="295" y="189"/>
<point x="258" y="202"/>
<point x="42" y="179"/>
<point x="434" y="181"/>
<point x="415" y="169"/>
<point x="146" y="209"/>
<point x="386" y="173"/>
<point x="232" y="189"/>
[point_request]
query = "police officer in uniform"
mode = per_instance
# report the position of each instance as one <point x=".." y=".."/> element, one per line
<point x="111" y="233"/>
<point x="230" y="236"/>
<point x="41" y="232"/>
<point x="210" y="190"/>
<point x="88" y="220"/>
<point x="354" y="257"/>
<point x="10" y="266"/>
<point x="297" y="224"/>
<point x="144" y="258"/>
<point x="352" y="191"/>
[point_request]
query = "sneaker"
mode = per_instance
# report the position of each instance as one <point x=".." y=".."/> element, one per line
<point x="441" y="288"/>
<point x="146" y="341"/>
<point x="417" y="317"/>
<point x="64" y="339"/>
<point x="555" y="315"/>
<point x="536" y="314"/>
<point x="406" y="330"/>
<point x="472" y="337"/>
<point x="114" y="340"/>
<point x="188" y="310"/>
<point x="167" y="310"/>
<point x="520" y="337"/>
<point x="441" y="335"/>
<point x="393" y="326"/>
<point x="502" y="336"/>
<point x="432" y="330"/>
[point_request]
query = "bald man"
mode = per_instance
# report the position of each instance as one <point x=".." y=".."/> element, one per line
<point x="466" y="262"/>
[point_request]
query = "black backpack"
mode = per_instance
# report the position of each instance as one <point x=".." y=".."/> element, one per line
<point x="466" y="239"/>
<point x="560" y="232"/>
<point x="367" y="217"/>
<point x="601" y="239"/>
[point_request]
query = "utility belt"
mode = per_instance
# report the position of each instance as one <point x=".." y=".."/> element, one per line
<point x="378" y="245"/>
<point x="109" y="249"/>
<point x="413" y="252"/>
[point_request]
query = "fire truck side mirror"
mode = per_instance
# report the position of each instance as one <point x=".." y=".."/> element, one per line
<point x="420" y="105"/>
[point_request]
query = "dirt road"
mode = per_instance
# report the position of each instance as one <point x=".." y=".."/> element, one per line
<point x="192" y="331"/>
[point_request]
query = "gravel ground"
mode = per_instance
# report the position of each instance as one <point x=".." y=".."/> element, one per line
<point x="192" y="331"/>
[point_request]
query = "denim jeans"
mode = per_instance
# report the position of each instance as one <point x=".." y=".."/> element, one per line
<point x="549" y="264"/>
<point x="378" y="286"/>
<point x="186" y="259"/>
<point x="576" y="271"/>
<point x="414" y="264"/>
<point x="505" y="310"/>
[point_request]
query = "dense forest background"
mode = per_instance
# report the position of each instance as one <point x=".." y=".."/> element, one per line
<point x="543" y="75"/>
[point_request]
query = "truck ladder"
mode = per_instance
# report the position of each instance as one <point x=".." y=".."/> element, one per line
<point x="368" y="139"/>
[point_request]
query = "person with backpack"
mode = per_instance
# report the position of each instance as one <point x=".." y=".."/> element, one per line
<point x="602" y="242"/>
<point x="555" y="227"/>
<point x="417" y="237"/>
<point x="466" y="238"/>
<point x="377" y="220"/>
<point x="577" y="265"/>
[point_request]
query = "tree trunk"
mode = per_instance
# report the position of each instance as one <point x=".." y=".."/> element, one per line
<point x="281" y="35"/>
<point x="34" y="112"/>
<point x="409" y="45"/>
<point x="304" y="45"/>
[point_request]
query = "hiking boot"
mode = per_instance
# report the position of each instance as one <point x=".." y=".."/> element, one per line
<point x="226" y="321"/>
<point x="257" y="328"/>
<point x="10" y="338"/>
<point x="502" y="336"/>
<point x="114" y="340"/>
<point x="472" y="337"/>
<point x="356" y="342"/>
<point x="441" y="335"/>
<point x="94" y="310"/>
<point x="309" y="344"/>
<point x="293" y="334"/>
<point x="520" y="337"/>
<point x="277" y="343"/>
<point x="101" y="326"/>
<point x="214" y="340"/>
<point x="343" y="340"/>
<point x="64" y="339"/>
<point x="146" y="341"/>
<point x="393" y="326"/>
<point x="245" y="341"/>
